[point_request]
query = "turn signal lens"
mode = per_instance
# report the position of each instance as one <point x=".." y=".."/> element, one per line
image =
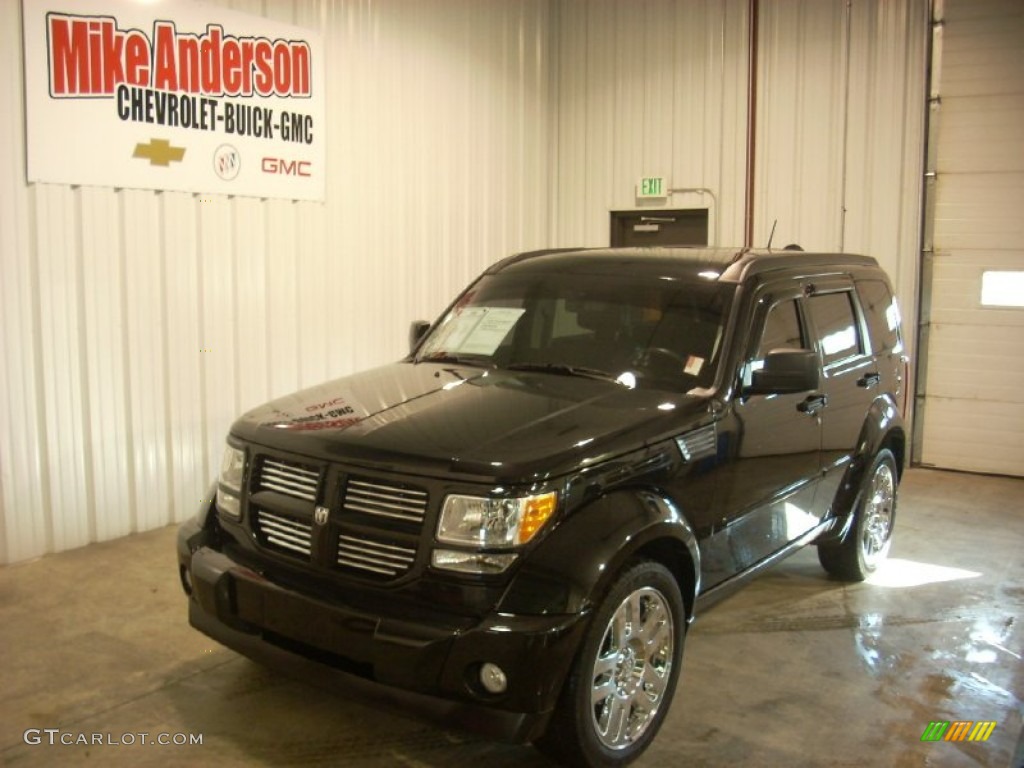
<point x="538" y="509"/>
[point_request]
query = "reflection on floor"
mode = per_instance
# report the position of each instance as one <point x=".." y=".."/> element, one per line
<point x="795" y="670"/>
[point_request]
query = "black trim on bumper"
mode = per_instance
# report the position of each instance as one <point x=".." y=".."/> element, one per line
<point x="249" y="613"/>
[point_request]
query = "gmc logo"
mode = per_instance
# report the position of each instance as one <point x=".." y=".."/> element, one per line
<point x="287" y="167"/>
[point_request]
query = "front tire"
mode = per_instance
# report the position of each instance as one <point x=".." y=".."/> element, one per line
<point x="866" y="544"/>
<point x="624" y="675"/>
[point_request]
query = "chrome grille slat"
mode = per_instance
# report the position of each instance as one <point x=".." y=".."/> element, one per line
<point x="296" y="480"/>
<point x="374" y="556"/>
<point x="286" y="470"/>
<point x="276" y="478"/>
<point x="393" y="562"/>
<point x="391" y="502"/>
<point x="277" y="530"/>
<point x="385" y="492"/>
<point x="385" y="500"/>
<point x="382" y="513"/>
<point x="285" y="532"/>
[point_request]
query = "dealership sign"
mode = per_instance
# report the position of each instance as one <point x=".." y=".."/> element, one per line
<point x="173" y="96"/>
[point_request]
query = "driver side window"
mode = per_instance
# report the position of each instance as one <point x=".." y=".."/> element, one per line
<point x="782" y="330"/>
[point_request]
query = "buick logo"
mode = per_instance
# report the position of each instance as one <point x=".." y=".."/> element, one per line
<point x="227" y="162"/>
<point x="320" y="515"/>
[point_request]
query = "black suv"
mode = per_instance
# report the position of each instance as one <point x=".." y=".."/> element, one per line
<point x="586" y="447"/>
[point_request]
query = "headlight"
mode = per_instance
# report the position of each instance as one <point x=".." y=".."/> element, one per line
<point x="229" y="482"/>
<point x="501" y="523"/>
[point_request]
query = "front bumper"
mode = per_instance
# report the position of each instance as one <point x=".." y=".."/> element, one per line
<point x="248" y="612"/>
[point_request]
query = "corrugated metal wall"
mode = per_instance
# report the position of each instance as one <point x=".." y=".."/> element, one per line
<point x="134" y="326"/>
<point x="841" y="130"/>
<point x="973" y="394"/>
<point x="659" y="87"/>
<point x="650" y="88"/>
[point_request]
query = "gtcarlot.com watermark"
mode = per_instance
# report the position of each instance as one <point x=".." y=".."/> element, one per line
<point x="56" y="737"/>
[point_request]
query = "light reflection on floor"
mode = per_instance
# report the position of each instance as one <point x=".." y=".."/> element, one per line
<point x="895" y="572"/>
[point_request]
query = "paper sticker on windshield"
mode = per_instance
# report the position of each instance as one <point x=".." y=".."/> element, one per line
<point x="693" y="365"/>
<point x="475" y="330"/>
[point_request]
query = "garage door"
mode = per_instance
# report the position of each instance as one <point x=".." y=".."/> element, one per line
<point x="971" y="388"/>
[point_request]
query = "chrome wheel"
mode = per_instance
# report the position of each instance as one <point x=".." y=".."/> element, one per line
<point x="878" y="509"/>
<point x="633" y="668"/>
<point x="866" y="544"/>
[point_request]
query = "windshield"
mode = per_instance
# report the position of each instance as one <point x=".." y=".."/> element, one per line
<point x="643" y="332"/>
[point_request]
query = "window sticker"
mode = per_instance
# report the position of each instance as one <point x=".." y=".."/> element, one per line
<point x="693" y="365"/>
<point x="475" y="330"/>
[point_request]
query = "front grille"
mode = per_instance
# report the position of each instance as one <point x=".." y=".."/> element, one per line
<point x="373" y="529"/>
<point x="283" y="532"/>
<point x="375" y="557"/>
<point x="382" y="499"/>
<point x="299" y="481"/>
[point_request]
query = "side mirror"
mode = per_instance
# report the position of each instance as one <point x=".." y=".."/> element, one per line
<point x="417" y="331"/>
<point x="785" y="371"/>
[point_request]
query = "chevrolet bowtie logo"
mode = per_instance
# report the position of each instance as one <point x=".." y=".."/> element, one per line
<point x="159" y="152"/>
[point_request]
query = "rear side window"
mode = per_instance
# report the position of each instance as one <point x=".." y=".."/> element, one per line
<point x="836" y="324"/>
<point x="883" y="316"/>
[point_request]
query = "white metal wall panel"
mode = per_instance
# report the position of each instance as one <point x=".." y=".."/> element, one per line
<point x="973" y="416"/>
<point x="840" y="130"/>
<point x="885" y="137"/>
<point x="137" y="325"/>
<point x="186" y="440"/>
<point x="106" y="413"/>
<point x="840" y="119"/>
<point x="800" y="123"/>
<point x="840" y="113"/>
<point x="23" y="443"/>
<point x="60" y="348"/>
<point x="645" y="88"/>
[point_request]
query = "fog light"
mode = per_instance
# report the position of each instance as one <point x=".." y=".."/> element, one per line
<point x="472" y="562"/>
<point x="492" y="678"/>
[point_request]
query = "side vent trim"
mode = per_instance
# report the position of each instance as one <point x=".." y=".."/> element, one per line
<point x="698" y="444"/>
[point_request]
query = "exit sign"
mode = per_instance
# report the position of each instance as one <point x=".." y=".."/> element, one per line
<point x="652" y="186"/>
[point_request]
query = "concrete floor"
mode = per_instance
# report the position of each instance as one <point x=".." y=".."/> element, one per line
<point x="795" y="670"/>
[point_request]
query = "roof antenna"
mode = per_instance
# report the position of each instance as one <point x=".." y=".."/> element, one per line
<point x="772" y="235"/>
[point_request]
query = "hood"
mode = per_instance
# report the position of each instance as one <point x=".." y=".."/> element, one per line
<point x="427" y="418"/>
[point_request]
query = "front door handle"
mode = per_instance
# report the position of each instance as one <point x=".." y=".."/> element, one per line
<point x="869" y="380"/>
<point x="812" y="404"/>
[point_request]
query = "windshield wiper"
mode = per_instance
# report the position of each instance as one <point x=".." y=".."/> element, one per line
<point x="562" y="370"/>
<point x="480" y="361"/>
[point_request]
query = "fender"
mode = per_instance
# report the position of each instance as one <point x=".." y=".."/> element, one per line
<point x="578" y="562"/>
<point x="883" y="424"/>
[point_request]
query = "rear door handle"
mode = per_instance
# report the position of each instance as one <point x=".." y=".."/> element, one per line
<point x="869" y="380"/>
<point x="812" y="404"/>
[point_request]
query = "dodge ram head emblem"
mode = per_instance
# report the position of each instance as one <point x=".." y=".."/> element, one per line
<point x="320" y="515"/>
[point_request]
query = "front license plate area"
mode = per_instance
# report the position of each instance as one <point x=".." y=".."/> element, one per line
<point x="305" y="620"/>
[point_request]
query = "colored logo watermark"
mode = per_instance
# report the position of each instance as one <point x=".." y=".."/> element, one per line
<point x="958" y="730"/>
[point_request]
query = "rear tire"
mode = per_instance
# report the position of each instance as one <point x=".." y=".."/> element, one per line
<point x="866" y="544"/>
<point x="623" y="678"/>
